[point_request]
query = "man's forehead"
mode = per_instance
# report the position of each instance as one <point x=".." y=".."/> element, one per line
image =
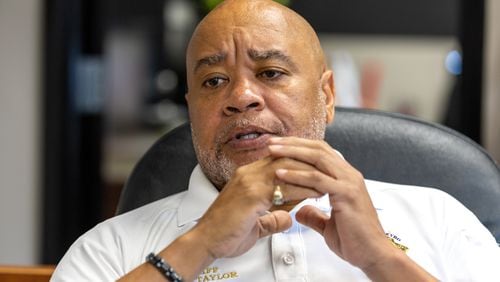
<point x="222" y="34"/>
<point x="263" y="23"/>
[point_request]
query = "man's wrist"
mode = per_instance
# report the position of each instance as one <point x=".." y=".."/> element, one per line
<point x="188" y="255"/>
<point x="164" y="268"/>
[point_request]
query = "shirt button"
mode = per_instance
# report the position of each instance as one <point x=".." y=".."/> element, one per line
<point x="288" y="259"/>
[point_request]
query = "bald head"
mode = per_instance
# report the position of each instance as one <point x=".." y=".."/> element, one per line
<point x="272" y="19"/>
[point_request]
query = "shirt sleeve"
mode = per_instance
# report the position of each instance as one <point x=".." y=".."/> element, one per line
<point x="95" y="256"/>
<point x="470" y="250"/>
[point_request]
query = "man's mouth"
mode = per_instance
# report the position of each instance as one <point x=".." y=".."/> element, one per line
<point x="248" y="136"/>
<point x="246" y="133"/>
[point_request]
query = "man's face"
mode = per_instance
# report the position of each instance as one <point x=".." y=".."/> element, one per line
<point x="249" y="82"/>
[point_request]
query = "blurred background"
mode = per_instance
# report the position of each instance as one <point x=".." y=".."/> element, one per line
<point x="86" y="86"/>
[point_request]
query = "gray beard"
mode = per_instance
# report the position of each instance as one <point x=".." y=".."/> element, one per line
<point x="219" y="168"/>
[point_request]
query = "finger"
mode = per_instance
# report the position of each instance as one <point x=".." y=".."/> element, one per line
<point x="318" y="155"/>
<point x="293" y="192"/>
<point x="312" y="217"/>
<point x="290" y="163"/>
<point x="315" y="179"/>
<point x="274" y="222"/>
<point x="302" y="142"/>
<point x="292" y="140"/>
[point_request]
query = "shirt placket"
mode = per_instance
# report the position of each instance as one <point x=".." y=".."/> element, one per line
<point x="287" y="250"/>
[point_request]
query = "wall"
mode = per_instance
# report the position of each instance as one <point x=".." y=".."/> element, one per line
<point x="20" y="91"/>
<point x="414" y="78"/>
<point x="491" y="101"/>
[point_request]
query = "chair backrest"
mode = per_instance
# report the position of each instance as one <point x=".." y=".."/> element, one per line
<point x="383" y="146"/>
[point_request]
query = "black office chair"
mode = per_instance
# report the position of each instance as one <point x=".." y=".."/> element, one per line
<point x="383" y="146"/>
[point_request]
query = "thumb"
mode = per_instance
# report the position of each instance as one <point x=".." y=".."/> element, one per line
<point x="312" y="217"/>
<point x="274" y="222"/>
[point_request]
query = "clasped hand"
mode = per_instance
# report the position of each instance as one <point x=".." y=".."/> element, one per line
<point x="304" y="168"/>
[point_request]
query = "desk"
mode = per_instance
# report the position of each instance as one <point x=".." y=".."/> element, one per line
<point x="38" y="273"/>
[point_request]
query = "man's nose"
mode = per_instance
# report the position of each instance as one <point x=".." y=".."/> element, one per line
<point x="242" y="98"/>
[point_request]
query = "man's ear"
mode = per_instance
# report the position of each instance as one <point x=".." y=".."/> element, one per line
<point x="187" y="97"/>
<point x="328" y="89"/>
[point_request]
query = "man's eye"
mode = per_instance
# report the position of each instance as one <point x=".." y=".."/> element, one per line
<point x="213" y="82"/>
<point x="271" y="74"/>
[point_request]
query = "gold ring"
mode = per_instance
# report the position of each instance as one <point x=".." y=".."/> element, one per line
<point x="278" y="198"/>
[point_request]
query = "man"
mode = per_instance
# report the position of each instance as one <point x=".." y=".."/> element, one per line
<point x="269" y="200"/>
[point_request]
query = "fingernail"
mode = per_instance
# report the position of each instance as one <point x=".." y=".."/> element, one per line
<point x="281" y="172"/>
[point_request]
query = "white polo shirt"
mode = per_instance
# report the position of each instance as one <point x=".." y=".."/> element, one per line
<point x="441" y="235"/>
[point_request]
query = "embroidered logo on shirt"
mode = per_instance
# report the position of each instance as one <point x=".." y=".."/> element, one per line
<point x="396" y="241"/>
<point x="213" y="274"/>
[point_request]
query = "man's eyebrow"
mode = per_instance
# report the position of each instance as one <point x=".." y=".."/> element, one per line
<point x="272" y="54"/>
<point x="210" y="60"/>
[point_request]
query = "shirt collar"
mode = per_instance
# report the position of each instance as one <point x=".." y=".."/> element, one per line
<point x="200" y="195"/>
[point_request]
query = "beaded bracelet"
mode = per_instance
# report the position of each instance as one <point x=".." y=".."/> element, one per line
<point x="164" y="268"/>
